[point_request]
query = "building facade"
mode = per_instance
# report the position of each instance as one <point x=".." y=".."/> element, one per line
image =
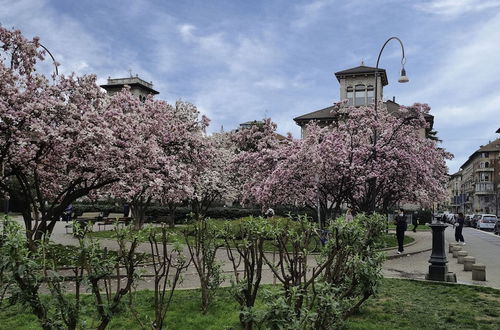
<point x="479" y="182"/>
<point x="357" y="88"/>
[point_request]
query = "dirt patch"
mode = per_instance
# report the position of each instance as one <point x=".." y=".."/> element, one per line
<point x="489" y="297"/>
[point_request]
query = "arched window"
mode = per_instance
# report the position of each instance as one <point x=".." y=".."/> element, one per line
<point x="359" y="95"/>
<point x="350" y="95"/>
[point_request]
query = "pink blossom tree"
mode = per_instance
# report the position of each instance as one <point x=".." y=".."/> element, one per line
<point x="258" y="151"/>
<point x="347" y="163"/>
<point x="215" y="181"/>
<point x="55" y="145"/>
<point x="166" y="149"/>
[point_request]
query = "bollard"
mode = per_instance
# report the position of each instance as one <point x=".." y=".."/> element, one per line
<point x="451" y="245"/>
<point x="455" y="250"/>
<point x="478" y="272"/>
<point x="468" y="262"/>
<point x="460" y="256"/>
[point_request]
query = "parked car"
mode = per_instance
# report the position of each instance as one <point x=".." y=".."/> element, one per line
<point x="486" y="221"/>
<point x="468" y="220"/>
<point x="474" y="220"/>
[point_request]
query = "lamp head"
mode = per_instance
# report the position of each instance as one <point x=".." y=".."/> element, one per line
<point x="403" y="78"/>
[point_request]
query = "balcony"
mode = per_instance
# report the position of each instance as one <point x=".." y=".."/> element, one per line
<point x="485" y="169"/>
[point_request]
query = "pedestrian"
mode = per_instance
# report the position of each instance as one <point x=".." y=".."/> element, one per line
<point x="459" y="226"/>
<point x="400" y="229"/>
<point x="68" y="212"/>
<point x="414" y="221"/>
<point x="348" y="215"/>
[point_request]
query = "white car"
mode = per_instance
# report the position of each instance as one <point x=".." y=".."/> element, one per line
<point x="486" y="221"/>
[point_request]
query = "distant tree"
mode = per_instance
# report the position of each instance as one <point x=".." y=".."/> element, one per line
<point x="215" y="181"/>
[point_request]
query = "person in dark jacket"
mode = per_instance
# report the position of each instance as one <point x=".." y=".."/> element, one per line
<point x="459" y="225"/>
<point x="414" y="221"/>
<point x="400" y="229"/>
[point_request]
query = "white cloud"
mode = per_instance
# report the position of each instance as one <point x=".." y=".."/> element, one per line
<point x="455" y="8"/>
<point x="310" y="12"/>
<point x="186" y="31"/>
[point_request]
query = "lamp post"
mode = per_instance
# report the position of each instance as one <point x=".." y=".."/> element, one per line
<point x="402" y="79"/>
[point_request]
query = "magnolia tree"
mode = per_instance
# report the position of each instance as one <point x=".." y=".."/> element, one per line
<point x="258" y="152"/>
<point x="157" y="138"/>
<point x="55" y="143"/>
<point x="215" y="181"/>
<point x="367" y="159"/>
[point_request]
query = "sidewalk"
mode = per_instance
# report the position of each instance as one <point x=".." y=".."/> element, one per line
<point x="412" y="264"/>
<point x="422" y="243"/>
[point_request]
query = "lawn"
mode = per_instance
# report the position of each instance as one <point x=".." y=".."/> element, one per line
<point x="389" y="240"/>
<point x="410" y="227"/>
<point x="400" y="304"/>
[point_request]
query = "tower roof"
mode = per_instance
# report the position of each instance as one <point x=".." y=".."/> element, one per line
<point x="118" y="83"/>
<point x="362" y="70"/>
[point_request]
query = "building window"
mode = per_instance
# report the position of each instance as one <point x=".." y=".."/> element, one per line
<point x="370" y="94"/>
<point x="359" y="95"/>
<point x="350" y="96"/>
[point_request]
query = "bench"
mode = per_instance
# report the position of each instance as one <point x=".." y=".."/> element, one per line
<point x="114" y="218"/>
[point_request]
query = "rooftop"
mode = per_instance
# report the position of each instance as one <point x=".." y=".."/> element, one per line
<point x="130" y="81"/>
<point x="490" y="147"/>
<point x="362" y="70"/>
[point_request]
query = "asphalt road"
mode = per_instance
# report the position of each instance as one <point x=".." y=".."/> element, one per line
<point x="485" y="247"/>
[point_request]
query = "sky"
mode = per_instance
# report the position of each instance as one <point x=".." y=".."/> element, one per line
<point x="246" y="60"/>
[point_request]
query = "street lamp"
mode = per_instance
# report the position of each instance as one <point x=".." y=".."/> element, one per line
<point x="402" y="77"/>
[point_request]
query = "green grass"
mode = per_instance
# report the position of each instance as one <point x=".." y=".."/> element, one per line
<point x="410" y="227"/>
<point x="406" y="304"/>
<point x="399" y="304"/>
<point x="389" y="240"/>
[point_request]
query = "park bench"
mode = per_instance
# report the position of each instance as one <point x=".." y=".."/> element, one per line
<point x="84" y="219"/>
<point x="114" y="218"/>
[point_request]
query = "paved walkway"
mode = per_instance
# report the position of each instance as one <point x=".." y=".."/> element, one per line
<point x="416" y="265"/>
<point x="413" y="263"/>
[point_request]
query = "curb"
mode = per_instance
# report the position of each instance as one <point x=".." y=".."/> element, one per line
<point x="396" y="256"/>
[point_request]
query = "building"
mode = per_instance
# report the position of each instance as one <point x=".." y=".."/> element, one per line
<point x="357" y="86"/>
<point x="457" y="197"/>
<point x="138" y="87"/>
<point x="480" y="181"/>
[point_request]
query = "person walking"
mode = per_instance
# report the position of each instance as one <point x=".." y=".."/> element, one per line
<point x="400" y="230"/>
<point x="459" y="226"/>
<point x="414" y="221"/>
<point x="348" y="215"/>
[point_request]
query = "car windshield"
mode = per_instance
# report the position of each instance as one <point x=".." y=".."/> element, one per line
<point x="490" y="218"/>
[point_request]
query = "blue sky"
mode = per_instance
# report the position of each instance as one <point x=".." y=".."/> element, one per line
<point x="243" y="60"/>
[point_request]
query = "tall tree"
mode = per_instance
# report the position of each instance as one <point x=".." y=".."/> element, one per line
<point x="55" y="145"/>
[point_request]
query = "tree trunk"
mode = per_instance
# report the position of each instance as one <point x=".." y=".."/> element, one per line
<point x="171" y="219"/>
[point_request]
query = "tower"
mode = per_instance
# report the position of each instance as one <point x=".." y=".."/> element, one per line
<point x="138" y="87"/>
<point x="357" y="84"/>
